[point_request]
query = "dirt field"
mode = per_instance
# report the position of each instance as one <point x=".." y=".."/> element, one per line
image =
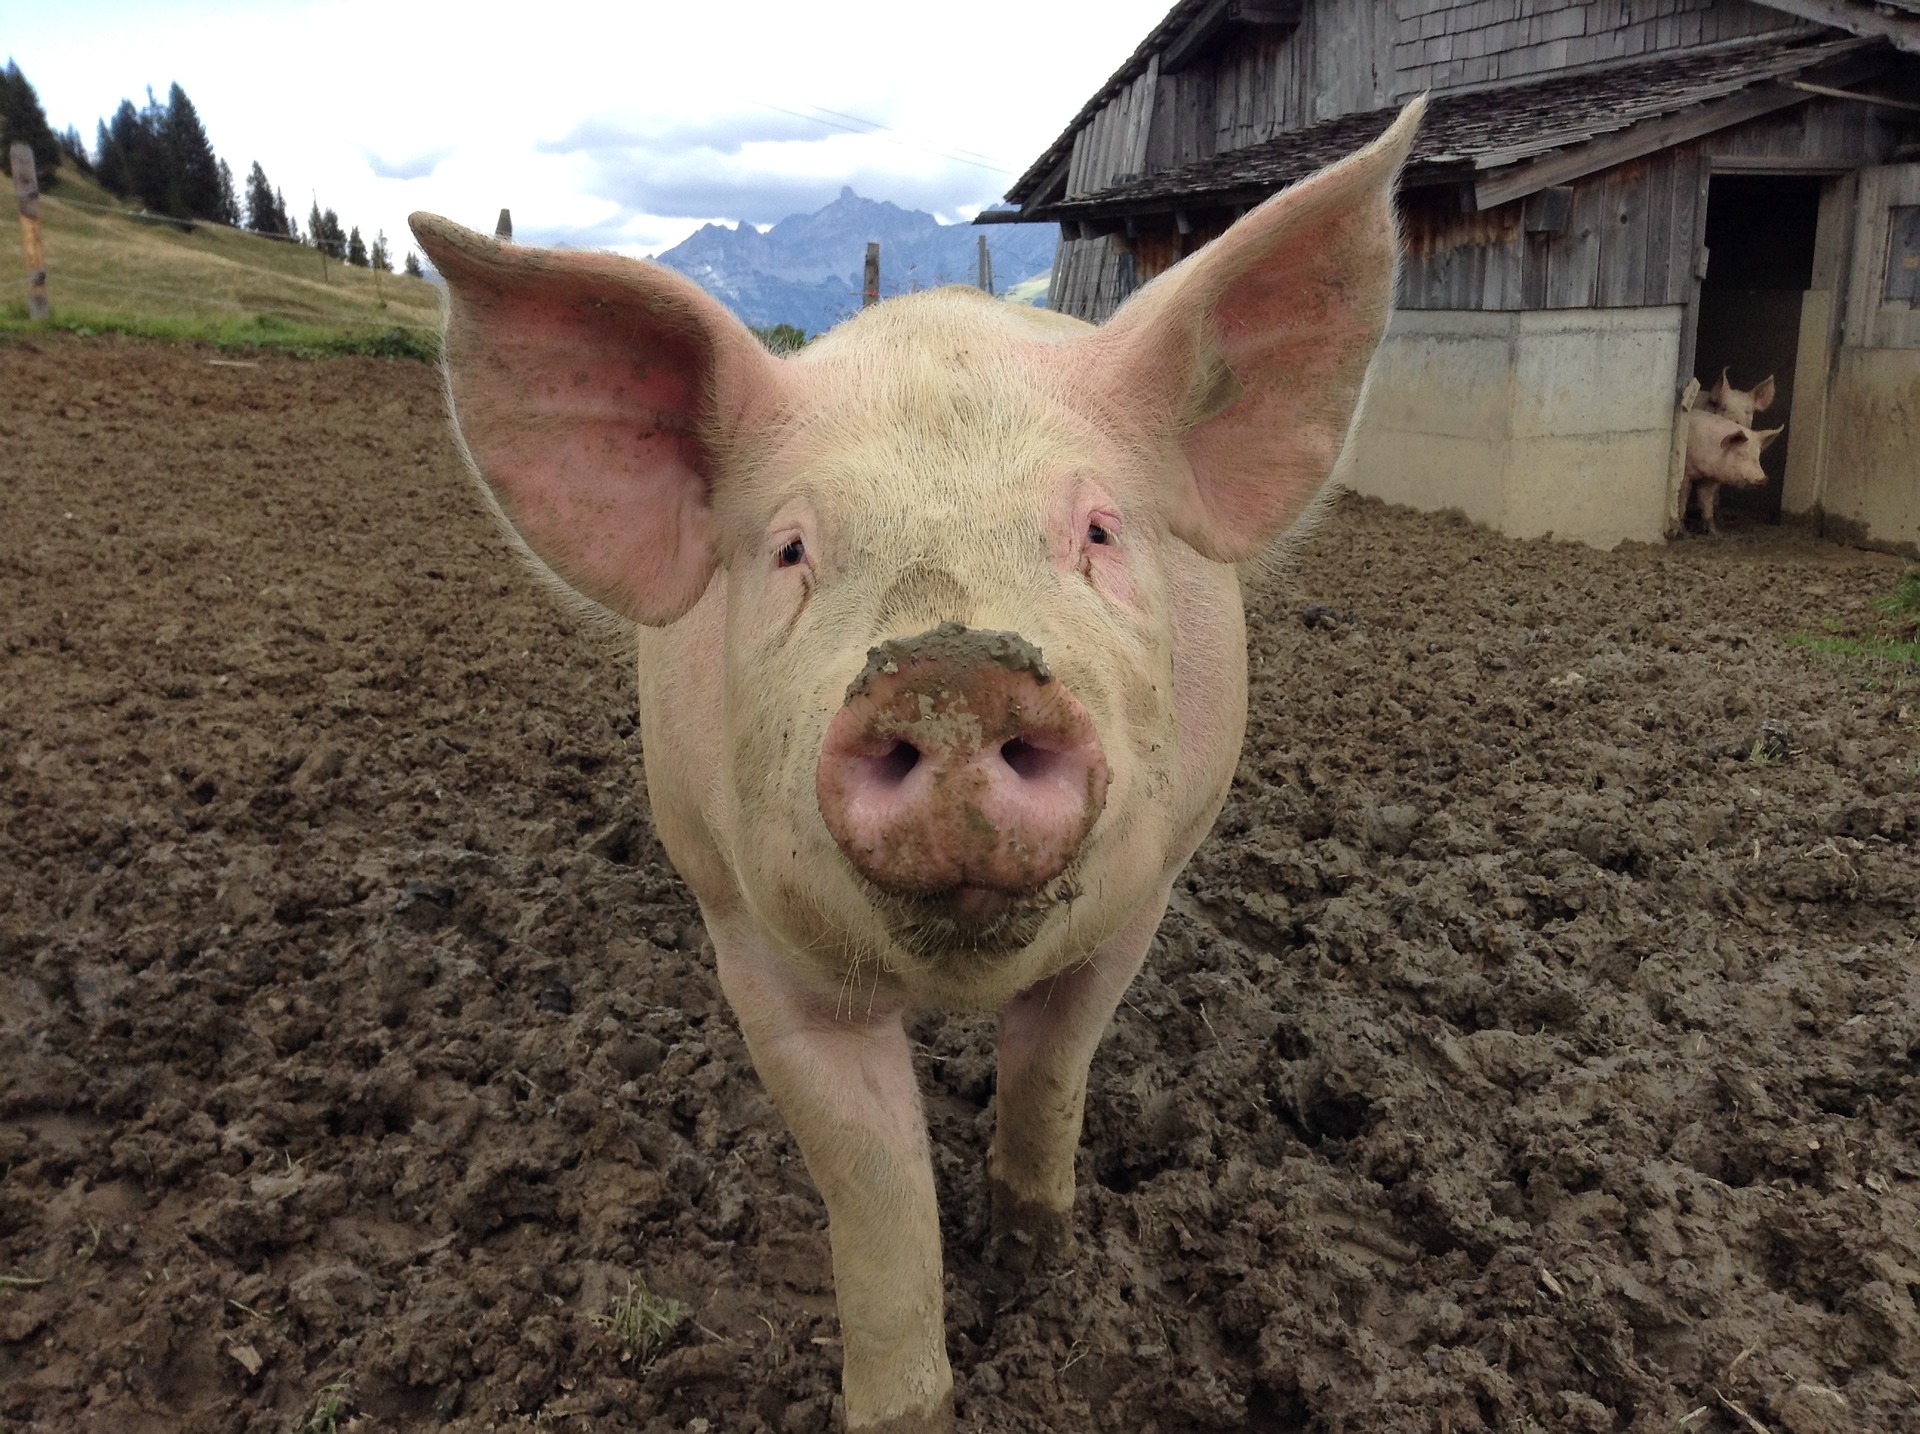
<point x="1535" y="1046"/>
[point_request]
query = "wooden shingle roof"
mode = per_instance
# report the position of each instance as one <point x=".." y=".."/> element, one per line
<point x="1468" y="133"/>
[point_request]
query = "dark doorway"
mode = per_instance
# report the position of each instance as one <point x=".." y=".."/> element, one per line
<point x="1760" y="232"/>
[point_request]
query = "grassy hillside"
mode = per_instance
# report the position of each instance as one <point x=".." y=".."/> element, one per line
<point x="109" y="271"/>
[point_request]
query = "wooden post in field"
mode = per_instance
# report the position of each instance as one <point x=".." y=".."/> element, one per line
<point x="26" y="192"/>
<point x="870" y="289"/>
<point x="503" y="229"/>
<point x="986" y="266"/>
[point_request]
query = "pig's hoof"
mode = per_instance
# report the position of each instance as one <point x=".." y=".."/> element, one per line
<point x="932" y="1421"/>
<point x="1026" y="1235"/>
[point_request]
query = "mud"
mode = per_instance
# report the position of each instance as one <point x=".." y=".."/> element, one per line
<point x="1535" y="1045"/>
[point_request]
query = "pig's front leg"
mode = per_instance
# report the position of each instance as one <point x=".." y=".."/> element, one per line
<point x="844" y="1081"/>
<point x="1048" y="1034"/>
<point x="1709" y="501"/>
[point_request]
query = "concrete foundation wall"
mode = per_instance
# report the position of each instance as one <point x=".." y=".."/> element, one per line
<point x="1554" y="421"/>
<point x="1872" y="492"/>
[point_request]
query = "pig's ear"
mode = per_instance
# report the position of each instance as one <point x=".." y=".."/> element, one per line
<point x="1717" y="395"/>
<point x="1736" y="439"/>
<point x="1763" y="394"/>
<point x="1254" y="351"/>
<point x="1766" y="438"/>
<point x="592" y="392"/>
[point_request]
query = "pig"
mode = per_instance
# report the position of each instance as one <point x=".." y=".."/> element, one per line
<point x="1720" y="450"/>
<point x="942" y="660"/>
<point x="1739" y="404"/>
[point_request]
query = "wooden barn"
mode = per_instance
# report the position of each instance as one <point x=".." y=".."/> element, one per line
<point x="1609" y="198"/>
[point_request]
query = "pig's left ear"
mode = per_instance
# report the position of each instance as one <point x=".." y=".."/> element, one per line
<point x="1766" y="436"/>
<point x="1255" y="350"/>
<point x="592" y="392"/>
<point x="1763" y="394"/>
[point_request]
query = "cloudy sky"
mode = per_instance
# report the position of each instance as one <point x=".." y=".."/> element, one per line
<point x="622" y="126"/>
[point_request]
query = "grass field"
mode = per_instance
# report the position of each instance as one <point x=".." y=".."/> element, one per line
<point x="110" y="269"/>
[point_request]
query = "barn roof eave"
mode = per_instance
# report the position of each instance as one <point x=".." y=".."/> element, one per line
<point x="1551" y="130"/>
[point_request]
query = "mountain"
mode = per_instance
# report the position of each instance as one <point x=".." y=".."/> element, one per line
<point x="806" y="270"/>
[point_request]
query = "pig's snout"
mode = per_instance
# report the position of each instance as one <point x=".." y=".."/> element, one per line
<point x="959" y="769"/>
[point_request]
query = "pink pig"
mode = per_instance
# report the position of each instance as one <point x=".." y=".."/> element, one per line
<point x="1721" y="450"/>
<point x="941" y="656"/>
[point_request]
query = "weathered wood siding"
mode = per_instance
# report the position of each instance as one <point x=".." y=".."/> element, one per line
<point x="1338" y="60"/>
<point x="1440" y="44"/>
<point x="1633" y="235"/>
<point x="1090" y="278"/>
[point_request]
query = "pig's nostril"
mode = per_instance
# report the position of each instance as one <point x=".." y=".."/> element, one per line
<point x="893" y="765"/>
<point x="1029" y="763"/>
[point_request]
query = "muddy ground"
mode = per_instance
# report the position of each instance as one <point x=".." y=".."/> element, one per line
<point x="1535" y="1045"/>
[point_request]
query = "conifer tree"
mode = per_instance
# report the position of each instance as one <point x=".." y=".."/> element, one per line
<point x="229" y="201"/>
<point x="265" y="215"/>
<point x="73" y="150"/>
<point x="22" y="121"/>
<point x="108" y="165"/>
<point x="192" y="173"/>
<point x="292" y="230"/>
<point x="356" y="249"/>
<point x="377" y="256"/>
<point x="324" y="232"/>
<point x="412" y="266"/>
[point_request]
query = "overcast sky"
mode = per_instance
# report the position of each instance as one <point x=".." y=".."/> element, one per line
<point x="622" y="126"/>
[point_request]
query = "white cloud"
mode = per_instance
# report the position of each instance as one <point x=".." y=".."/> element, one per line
<point x="624" y="125"/>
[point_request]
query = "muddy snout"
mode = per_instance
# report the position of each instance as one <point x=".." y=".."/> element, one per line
<point x="960" y="768"/>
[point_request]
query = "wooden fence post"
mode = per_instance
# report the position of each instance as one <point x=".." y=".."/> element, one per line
<point x="986" y="266"/>
<point x="870" y="290"/>
<point x="26" y="192"/>
<point x="503" y="227"/>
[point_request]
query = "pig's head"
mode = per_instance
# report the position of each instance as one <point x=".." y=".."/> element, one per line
<point x="1740" y="404"/>
<point x="949" y="537"/>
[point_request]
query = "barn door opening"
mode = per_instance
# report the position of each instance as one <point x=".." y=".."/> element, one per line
<point x="1760" y="245"/>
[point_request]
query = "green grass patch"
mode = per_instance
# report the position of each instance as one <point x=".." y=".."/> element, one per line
<point x="113" y="270"/>
<point x="236" y="332"/>
<point x="1880" y="649"/>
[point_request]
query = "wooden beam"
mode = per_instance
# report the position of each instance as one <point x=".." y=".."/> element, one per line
<point x="1578" y="161"/>
<point x="1834" y="94"/>
<point x="1215" y="19"/>
<point x="1856" y="19"/>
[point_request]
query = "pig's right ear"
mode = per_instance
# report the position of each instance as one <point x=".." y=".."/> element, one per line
<point x="592" y="392"/>
<point x="1253" y="352"/>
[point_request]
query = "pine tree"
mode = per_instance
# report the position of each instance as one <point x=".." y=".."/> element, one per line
<point x="377" y="256"/>
<point x="22" y="121"/>
<point x="132" y="163"/>
<point x="193" y="174"/>
<point x="108" y="165"/>
<point x="290" y="229"/>
<point x="356" y="249"/>
<point x="412" y="267"/>
<point x="73" y="150"/>
<point x="264" y="215"/>
<point x="324" y="233"/>
<point x="229" y="201"/>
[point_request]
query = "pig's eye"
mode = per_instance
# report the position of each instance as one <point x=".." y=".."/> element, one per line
<point x="1097" y="533"/>
<point x="791" y="554"/>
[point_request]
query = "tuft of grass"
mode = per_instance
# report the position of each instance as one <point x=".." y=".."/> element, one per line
<point x="329" y="1407"/>
<point x="1894" y="638"/>
<point x="641" y="1321"/>
<point x="1881" y="649"/>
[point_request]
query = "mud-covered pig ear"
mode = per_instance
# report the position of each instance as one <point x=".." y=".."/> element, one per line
<point x="590" y="391"/>
<point x="1255" y="349"/>
<point x="1763" y="394"/>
